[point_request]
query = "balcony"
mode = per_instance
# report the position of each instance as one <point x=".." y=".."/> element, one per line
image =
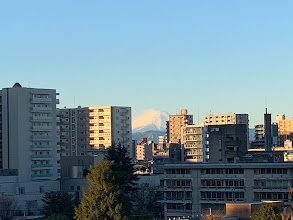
<point x="41" y="137"/>
<point x="41" y="100"/>
<point x="41" y="157"/>
<point x="41" y="166"/>
<point x="41" y="147"/>
<point x="41" y="109"/>
<point x="41" y="128"/>
<point x="193" y="153"/>
<point x="42" y="119"/>
<point x="193" y="139"/>
<point x="41" y="176"/>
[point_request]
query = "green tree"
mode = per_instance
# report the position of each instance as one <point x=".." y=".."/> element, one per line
<point x="57" y="217"/>
<point x="266" y="212"/>
<point x="58" y="203"/>
<point x="104" y="199"/>
<point x="122" y="167"/>
<point x="123" y="172"/>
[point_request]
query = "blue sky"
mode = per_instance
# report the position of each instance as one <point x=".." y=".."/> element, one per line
<point x="211" y="56"/>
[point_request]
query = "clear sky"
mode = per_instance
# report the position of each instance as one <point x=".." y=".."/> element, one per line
<point x="212" y="56"/>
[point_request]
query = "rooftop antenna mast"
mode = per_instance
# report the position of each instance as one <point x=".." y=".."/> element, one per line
<point x="266" y="102"/>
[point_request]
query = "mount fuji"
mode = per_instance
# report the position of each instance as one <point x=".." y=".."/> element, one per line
<point x="151" y="120"/>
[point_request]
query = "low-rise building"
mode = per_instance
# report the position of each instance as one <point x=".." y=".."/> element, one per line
<point x="191" y="188"/>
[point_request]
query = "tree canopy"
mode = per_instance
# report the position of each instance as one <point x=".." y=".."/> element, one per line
<point x="58" y="203"/>
<point x="122" y="167"/>
<point x="103" y="199"/>
<point x="110" y="182"/>
<point x="266" y="212"/>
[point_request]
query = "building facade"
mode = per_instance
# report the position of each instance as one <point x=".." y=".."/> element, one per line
<point x="190" y="189"/>
<point x="28" y="143"/>
<point x="91" y="130"/>
<point x="175" y="125"/>
<point x="285" y="129"/>
<point x="222" y="119"/>
<point x="227" y="143"/>
<point x="195" y="141"/>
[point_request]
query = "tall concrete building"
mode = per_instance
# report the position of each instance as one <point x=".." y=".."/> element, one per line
<point x="89" y="130"/>
<point x="28" y="143"/>
<point x="224" y="119"/>
<point x="227" y="143"/>
<point x="195" y="142"/>
<point x="175" y="125"/>
<point x="268" y="131"/>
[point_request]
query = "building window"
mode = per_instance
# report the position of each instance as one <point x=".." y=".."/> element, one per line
<point x="42" y="189"/>
<point x="21" y="190"/>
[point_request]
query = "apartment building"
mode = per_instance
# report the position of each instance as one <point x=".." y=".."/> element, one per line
<point x="28" y="143"/>
<point x="285" y="129"/>
<point x="74" y="131"/>
<point x="190" y="189"/>
<point x="222" y="119"/>
<point x="285" y="126"/>
<point x="91" y="130"/>
<point x="195" y="141"/>
<point x="227" y="143"/>
<point x="175" y="125"/>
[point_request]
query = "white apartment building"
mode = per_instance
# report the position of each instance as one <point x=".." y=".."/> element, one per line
<point x="191" y="189"/>
<point x="194" y="140"/>
<point x="223" y="119"/>
<point x="89" y="130"/>
<point x="28" y="143"/>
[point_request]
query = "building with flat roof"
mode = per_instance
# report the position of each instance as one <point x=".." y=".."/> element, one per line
<point x="227" y="143"/>
<point x="223" y="119"/>
<point x="91" y="130"/>
<point x="28" y="144"/>
<point x="175" y="125"/>
<point x="194" y="138"/>
<point x="190" y="188"/>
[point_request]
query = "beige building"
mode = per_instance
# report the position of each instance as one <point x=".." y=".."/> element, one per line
<point x="175" y="125"/>
<point x="144" y="152"/>
<point x="86" y="131"/>
<point x="224" y="119"/>
<point x="194" y="140"/>
<point x="285" y="126"/>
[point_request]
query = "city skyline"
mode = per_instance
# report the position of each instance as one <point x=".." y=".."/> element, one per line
<point x="216" y="58"/>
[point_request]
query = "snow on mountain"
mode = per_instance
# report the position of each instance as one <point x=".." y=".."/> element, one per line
<point x="151" y="120"/>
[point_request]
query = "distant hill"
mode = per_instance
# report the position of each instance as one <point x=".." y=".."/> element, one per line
<point x="150" y="135"/>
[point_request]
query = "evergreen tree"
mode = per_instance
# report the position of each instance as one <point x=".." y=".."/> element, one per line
<point x="266" y="212"/>
<point x="104" y="199"/>
<point x="58" y="203"/>
<point x="122" y="167"/>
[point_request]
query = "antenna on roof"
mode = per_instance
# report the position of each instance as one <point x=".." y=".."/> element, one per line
<point x="266" y="105"/>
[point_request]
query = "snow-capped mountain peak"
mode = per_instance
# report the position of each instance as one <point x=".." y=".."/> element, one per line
<point x="151" y="120"/>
